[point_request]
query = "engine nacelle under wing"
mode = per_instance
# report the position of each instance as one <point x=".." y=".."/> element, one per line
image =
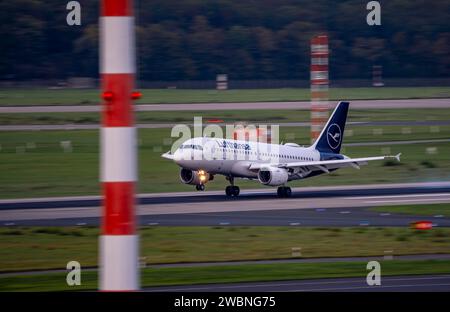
<point x="194" y="177"/>
<point x="273" y="176"/>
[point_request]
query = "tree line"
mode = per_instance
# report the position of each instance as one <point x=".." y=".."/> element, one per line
<point x="251" y="39"/>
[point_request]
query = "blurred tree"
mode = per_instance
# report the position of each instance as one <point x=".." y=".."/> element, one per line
<point x="252" y="39"/>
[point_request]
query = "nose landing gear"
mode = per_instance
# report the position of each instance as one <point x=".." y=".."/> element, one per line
<point x="284" y="191"/>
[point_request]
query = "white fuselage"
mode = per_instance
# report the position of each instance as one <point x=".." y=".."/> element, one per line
<point x="232" y="157"/>
<point x="272" y="164"/>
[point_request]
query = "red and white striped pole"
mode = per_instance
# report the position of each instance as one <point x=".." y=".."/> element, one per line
<point x="319" y="84"/>
<point x="118" y="162"/>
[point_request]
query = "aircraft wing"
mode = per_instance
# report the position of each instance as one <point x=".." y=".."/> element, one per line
<point x="325" y="165"/>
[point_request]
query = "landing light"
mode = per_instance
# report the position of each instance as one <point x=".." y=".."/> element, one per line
<point x="202" y="175"/>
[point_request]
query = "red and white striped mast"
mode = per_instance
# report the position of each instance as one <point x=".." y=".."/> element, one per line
<point x="319" y="84"/>
<point x="118" y="161"/>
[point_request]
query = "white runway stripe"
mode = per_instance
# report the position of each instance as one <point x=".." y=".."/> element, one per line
<point x="300" y="283"/>
<point x="399" y="196"/>
<point x="424" y="200"/>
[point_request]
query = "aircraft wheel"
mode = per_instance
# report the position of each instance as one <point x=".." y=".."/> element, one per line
<point x="229" y="190"/>
<point x="280" y="191"/>
<point x="236" y="191"/>
<point x="287" y="191"/>
<point x="284" y="191"/>
<point x="200" y="187"/>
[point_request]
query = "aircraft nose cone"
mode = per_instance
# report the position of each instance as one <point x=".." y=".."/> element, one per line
<point x="177" y="156"/>
<point x="180" y="158"/>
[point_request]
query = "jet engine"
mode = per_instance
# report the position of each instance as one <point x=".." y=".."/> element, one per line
<point x="194" y="177"/>
<point x="273" y="176"/>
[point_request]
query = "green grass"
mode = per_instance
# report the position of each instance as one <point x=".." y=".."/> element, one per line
<point x="228" y="116"/>
<point x="391" y="133"/>
<point x="33" y="163"/>
<point x="418" y="210"/>
<point x="38" y="248"/>
<point x="150" y="96"/>
<point x="228" y="274"/>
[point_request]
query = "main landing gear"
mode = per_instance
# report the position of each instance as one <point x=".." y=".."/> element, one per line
<point x="200" y="187"/>
<point x="284" y="191"/>
<point x="232" y="190"/>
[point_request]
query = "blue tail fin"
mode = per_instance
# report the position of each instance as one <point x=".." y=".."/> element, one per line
<point x="330" y="139"/>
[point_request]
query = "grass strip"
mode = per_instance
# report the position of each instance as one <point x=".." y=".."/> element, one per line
<point x="417" y="210"/>
<point x="229" y="274"/>
<point x="40" y="248"/>
<point x="18" y="97"/>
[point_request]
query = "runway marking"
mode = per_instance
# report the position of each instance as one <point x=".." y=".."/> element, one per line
<point x="153" y="223"/>
<point x="294" y="223"/>
<point x="289" y="105"/>
<point x="242" y="286"/>
<point x="398" y="196"/>
<point x="247" y="191"/>
<point x="224" y="223"/>
<point x="383" y="214"/>
<point x="228" y="209"/>
<point x="366" y="287"/>
<point x="81" y="223"/>
<point x="9" y="223"/>
<point x="404" y="200"/>
<point x="439" y="216"/>
<point x="274" y="217"/>
<point x="345" y="212"/>
<point x="292" y="283"/>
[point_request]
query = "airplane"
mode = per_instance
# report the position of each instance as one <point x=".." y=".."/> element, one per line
<point x="273" y="165"/>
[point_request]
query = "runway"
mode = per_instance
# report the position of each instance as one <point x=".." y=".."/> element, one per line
<point x="355" y="104"/>
<point x="314" y="206"/>
<point x="170" y="125"/>
<point x="418" y="283"/>
<point x="363" y="259"/>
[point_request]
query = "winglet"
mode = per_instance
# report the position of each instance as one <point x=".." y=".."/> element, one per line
<point x="396" y="157"/>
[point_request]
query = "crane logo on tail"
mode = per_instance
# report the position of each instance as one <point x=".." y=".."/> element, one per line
<point x="334" y="136"/>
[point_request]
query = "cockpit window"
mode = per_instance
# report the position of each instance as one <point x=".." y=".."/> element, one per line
<point x="191" y="146"/>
